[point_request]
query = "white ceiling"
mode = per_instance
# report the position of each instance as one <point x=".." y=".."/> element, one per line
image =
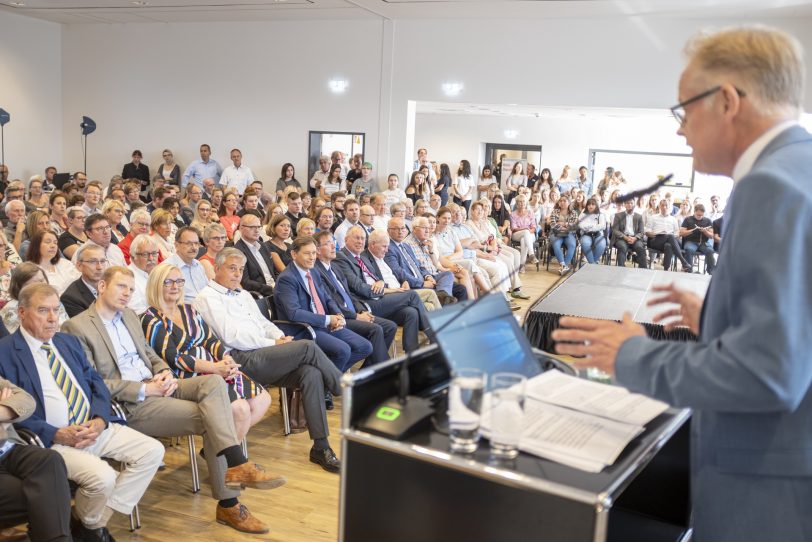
<point x="537" y="111"/>
<point x="169" y="11"/>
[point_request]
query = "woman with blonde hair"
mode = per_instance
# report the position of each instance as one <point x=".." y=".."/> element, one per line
<point x="36" y="199"/>
<point x="203" y="216"/>
<point x="305" y="228"/>
<point x="161" y="226"/>
<point x="177" y="333"/>
<point x="113" y="210"/>
<point x="34" y="222"/>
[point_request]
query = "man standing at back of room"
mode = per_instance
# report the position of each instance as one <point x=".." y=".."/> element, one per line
<point x="206" y="167"/>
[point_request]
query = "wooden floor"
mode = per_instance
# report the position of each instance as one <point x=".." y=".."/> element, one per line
<point x="305" y="509"/>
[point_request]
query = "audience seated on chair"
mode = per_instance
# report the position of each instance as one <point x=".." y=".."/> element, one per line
<point x="352" y="213"/>
<point x="662" y="231"/>
<point x="592" y="225"/>
<point x="82" y="292"/>
<point x="697" y="236"/>
<point x="563" y="223"/>
<point x="145" y="255"/>
<point x="377" y="249"/>
<point x="367" y="286"/>
<point x="72" y="415"/>
<point x="266" y="354"/>
<point x="98" y="231"/>
<point x="159" y="405"/>
<point x="627" y="233"/>
<point x="33" y="480"/>
<point x="187" y="247"/>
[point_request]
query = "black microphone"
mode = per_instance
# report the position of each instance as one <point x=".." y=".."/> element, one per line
<point x="644" y="191"/>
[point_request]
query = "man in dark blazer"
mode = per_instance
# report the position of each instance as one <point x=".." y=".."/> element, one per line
<point x="72" y="414"/>
<point x="402" y="260"/>
<point x="33" y="480"/>
<point x="377" y="330"/>
<point x="364" y="280"/>
<point x="627" y="232"/>
<point x="259" y="270"/>
<point x="300" y="297"/>
<point x="81" y="293"/>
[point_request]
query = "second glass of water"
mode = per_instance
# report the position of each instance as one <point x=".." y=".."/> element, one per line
<point x="464" y="409"/>
<point x="507" y="414"/>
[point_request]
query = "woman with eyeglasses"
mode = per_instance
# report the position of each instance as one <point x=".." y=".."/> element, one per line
<point x="113" y="211"/>
<point x="75" y="236"/>
<point x="169" y="170"/>
<point x="228" y="215"/>
<point x="214" y="237"/>
<point x="177" y="333"/>
<point x="37" y="199"/>
<point x="44" y="251"/>
<point x="24" y="274"/>
<point x="203" y="216"/>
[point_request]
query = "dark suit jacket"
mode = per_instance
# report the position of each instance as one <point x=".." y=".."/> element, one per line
<point x="77" y="297"/>
<point x="396" y="260"/>
<point x="619" y="224"/>
<point x="253" y="279"/>
<point x="349" y="267"/>
<point x="292" y="298"/>
<point x="327" y="281"/>
<point x="19" y="368"/>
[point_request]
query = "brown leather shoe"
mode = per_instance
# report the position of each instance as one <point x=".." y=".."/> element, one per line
<point x="252" y="475"/>
<point x="239" y="517"/>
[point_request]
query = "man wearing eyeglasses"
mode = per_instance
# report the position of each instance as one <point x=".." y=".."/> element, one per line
<point x="258" y="277"/>
<point x="139" y="224"/>
<point x="98" y="231"/>
<point x="748" y="376"/>
<point x="145" y="256"/>
<point x="82" y="292"/>
<point x="187" y="246"/>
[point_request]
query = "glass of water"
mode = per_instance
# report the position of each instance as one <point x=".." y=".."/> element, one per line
<point x="464" y="409"/>
<point x="507" y="414"/>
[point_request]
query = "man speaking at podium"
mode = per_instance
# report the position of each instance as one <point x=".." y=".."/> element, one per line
<point x="748" y="376"/>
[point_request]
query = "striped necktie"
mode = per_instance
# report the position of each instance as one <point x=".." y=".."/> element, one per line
<point x="77" y="405"/>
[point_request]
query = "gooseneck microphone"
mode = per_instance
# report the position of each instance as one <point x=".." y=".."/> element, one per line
<point x="644" y="191"/>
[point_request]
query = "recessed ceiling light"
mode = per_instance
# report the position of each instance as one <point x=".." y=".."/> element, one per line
<point x="452" y="89"/>
<point x="338" y="85"/>
<point x="511" y="134"/>
<point x="18" y="4"/>
<point x="139" y="3"/>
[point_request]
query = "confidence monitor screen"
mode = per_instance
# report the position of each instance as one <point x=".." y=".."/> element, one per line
<point x="485" y="337"/>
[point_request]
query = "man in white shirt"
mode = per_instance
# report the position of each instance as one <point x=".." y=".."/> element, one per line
<point x="337" y="157"/>
<point x="378" y="246"/>
<point x="662" y="231"/>
<point x="381" y="218"/>
<point x="237" y="176"/>
<point x="320" y="177"/>
<point x="143" y="259"/>
<point x="187" y="245"/>
<point x="72" y="415"/>
<point x="266" y="354"/>
<point x="352" y="213"/>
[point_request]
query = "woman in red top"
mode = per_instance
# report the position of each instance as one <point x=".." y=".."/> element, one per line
<point x="228" y="215"/>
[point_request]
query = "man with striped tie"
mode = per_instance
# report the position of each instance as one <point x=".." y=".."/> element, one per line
<point x="72" y="415"/>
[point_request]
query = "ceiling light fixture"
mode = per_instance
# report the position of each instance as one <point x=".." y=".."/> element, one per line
<point x="140" y="3"/>
<point x="338" y="86"/>
<point x="452" y="89"/>
<point x="511" y="134"/>
<point x="18" y="4"/>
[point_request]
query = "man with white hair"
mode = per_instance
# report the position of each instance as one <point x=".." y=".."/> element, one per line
<point x="320" y="177"/>
<point x="15" y="223"/>
<point x="144" y="258"/>
<point x="238" y="175"/>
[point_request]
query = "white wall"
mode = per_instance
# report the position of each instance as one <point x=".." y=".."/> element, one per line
<point x="630" y="63"/>
<point x="256" y="86"/>
<point x="31" y="91"/>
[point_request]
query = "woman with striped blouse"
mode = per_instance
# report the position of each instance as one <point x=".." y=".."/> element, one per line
<point x="179" y="335"/>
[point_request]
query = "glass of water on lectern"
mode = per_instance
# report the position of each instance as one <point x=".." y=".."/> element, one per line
<point x="464" y="409"/>
<point x="507" y="414"/>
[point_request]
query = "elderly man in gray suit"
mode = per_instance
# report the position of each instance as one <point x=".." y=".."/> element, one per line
<point x="748" y="376"/>
<point x="159" y="405"/>
<point x="33" y="481"/>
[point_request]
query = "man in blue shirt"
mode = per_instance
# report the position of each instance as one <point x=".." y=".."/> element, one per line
<point x="206" y="167"/>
